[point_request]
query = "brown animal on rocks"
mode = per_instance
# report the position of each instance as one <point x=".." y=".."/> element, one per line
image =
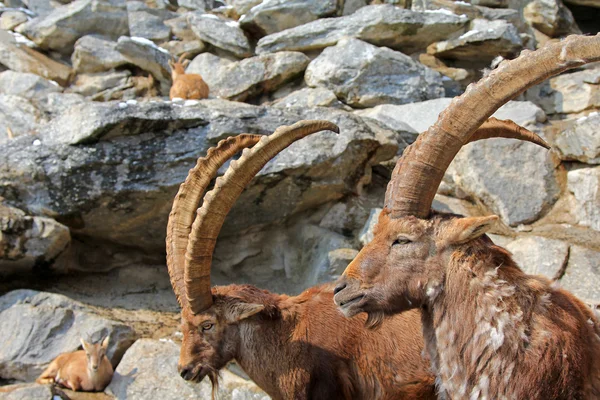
<point x="186" y="86"/>
<point x="491" y="331"/>
<point x="293" y="347"/>
<point x="87" y="370"/>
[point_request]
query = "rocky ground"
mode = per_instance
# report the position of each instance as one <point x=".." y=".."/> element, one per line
<point x="93" y="153"/>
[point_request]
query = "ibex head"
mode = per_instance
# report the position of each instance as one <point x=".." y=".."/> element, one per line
<point x="405" y="264"/>
<point x="210" y="317"/>
<point x="178" y="66"/>
<point x="94" y="352"/>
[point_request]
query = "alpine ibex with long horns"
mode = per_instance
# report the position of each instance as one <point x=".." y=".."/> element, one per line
<point x="491" y="331"/>
<point x="298" y="347"/>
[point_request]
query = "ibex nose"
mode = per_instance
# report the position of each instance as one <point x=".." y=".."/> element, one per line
<point x="339" y="287"/>
<point x="186" y="372"/>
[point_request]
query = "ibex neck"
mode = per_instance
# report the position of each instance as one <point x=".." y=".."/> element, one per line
<point x="476" y="330"/>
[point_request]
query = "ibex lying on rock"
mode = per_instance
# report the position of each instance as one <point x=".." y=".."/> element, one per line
<point x="88" y="370"/>
<point x="297" y="347"/>
<point x="186" y="86"/>
<point x="491" y="331"/>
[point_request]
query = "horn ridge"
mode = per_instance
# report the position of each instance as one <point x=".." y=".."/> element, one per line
<point x="413" y="185"/>
<point x="187" y="200"/>
<point x="219" y="201"/>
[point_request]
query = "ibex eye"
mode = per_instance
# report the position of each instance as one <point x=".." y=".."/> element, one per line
<point x="401" y="241"/>
<point x="208" y="326"/>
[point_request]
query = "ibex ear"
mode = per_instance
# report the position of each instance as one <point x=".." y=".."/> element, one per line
<point x="105" y="342"/>
<point x="185" y="63"/>
<point x="239" y="311"/>
<point x="86" y="346"/>
<point x="462" y="230"/>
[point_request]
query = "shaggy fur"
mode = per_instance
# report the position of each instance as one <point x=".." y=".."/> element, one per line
<point x="491" y="331"/>
<point x="302" y="347"/>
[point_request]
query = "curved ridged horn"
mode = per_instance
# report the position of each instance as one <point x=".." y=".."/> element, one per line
<point x="419" y="171"/>
<point x="182" y="57"/>
<point x="505" y="128"/>
<point x="218" y="202"/>
<point x="187" y="201"/>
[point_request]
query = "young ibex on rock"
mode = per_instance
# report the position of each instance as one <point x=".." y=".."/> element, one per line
<point x="298" y="347"/>
<point x="491" y="331"/>
<point x="186" y="86"/>
<point x="87" y="370"/>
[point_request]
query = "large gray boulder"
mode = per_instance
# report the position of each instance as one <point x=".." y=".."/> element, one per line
<point x="310" y="97"/>
<point x="60" y="29"/>
<point x="540" y="256"/>
<point x="96" y="54"/>
<point x="364" y="75"/>
<point x="18" y="117"/>
<point x="148" y="22"/>
<point x="485" y="41"/>
<point x="221" y="33"/>
<point x="27" y="242"/>
<point x="249" y="77"/>
<point x="381" y="25"/>
<point x="581" y="141"/>
<point x="27" y="85"/>
<point x="551" y="17"/>
<point x="21" y="58"/>
<point x="149" y="371"/>
<point x="583" y="274"/>
<point x="584" y="183"/>
<point x="39" y="326"/>
<point x="273" y="16"/>
<point x="114" y="174"/>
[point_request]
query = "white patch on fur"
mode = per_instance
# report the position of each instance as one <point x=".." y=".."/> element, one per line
<point x="433" y="290"/>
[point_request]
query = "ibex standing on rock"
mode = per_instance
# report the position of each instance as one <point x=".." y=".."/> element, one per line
<point x="298" y="347"/>
<point x="88" y="370"/>
<point x="491" y="331"/>
<point x="186" y="86"/>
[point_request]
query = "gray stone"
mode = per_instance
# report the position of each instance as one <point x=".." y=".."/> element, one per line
<point x="350" y="6"/>
<point x="95" y="54"/>
<point x="28" y="392"/>
<point x="310" y="97"/>
<point x="363" y="75"/>
<point x="40" y="8"/>
<point x="537" y="255"/>
<point x="249" y="77"/>
<point x="149" y="57"/>
<point x="366" y="234"/>
<point x="39" y="326"/>
<point x="339" y="260"/>
<point x="242" y="7"/>
<point x="18" y="117"/>
<point x="26" y="85"/>
<point x="584" y="183"/>
<point x="21" y="58"/>
<point x="273" y="16"/>
<point x="492" y="171"/>
<point x="11" y="19"/>
<point x="54" y="104"/>
<point x="180" y="28"/>
<point x="580" y="141"/>
<point x="381" y="25"/>
<point x="27" y="242"/>
<point x="569" y="93"/>
<point x="95" y="85"/>
<point x="221" y="33"/>
<point x="60" y="29"/>
<point x="179" y="47"/>
<point x="452" y="205"/>
<point x="192" y="4"/>
<point x="149" y="371"/>
<point x="582" y="276"/>
<point x="484" y="42"/>
<point x="551" y="18"/>
<point x="524" y="113"/>
<point x="114" y="174"/>
<point x="148" y="22"/>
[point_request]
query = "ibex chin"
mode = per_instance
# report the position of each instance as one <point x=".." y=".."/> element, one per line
<point x="491" y="331"/>
<point x="186" y="86"/>
<point x="298" y="347"/>
<point x="87" y="370"/>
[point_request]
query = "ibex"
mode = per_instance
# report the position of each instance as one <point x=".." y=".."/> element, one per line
<point x="298" y="347"/>
<point x="87" y="370"/>
<point x="186" y="86"/>
<point x="491" y="331"/>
